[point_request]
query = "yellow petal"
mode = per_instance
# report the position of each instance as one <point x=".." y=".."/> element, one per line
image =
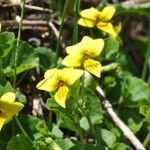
<point x="72" y="60"/>
<point x="90" y="13"/>
<point x="61" y="95"/>
<point x="93" y="67"/>
<point x="74" y="49"/>
<point x="92" y="47"/>
<point x="107" y="13"/>
<point x="70" y="75"/>
<point x="49" y="85"/>
<point x="107" y="27"/>
<point x="118" y="28"/>
<point x="10" y="108"/>
<point x="2" y="120"/>
<point x="86" y="22"/>
<point x="9" y="96"/>
<point x="49" y="73"/>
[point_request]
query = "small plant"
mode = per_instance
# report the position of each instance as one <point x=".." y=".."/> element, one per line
<point x="88" y="94"/>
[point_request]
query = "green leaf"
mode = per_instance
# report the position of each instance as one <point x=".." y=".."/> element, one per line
<point x="133" y="125"/>
<point x="126" y="64"/>
<point x="56" y="132"/>
<point x="42" y="128"/>
<point x="65" y="144"/>
<point x="28" y="123"/>
<point x="47" y="57"/>
<point x="3" y="145"/>
<point x="21" y="97"/>
<point x="135" y="92"/>
<point x="67" y="122"/>
<point x="93" y="106"/>
<point x="108" y="137"/>
<point x="6" y="43"/>
<point x="132" y="118"/>
<point x="121" y="146"/>
<point x="5" y="86"/>
<point x="84" y="124"/>
<point x="111" y="49"/>
<point x="65" y="116"/>
<point x="109" y="81"/>
<point x="80" y="146"/>
<point x="27" y="59"/>
<point x="49" y="141"/>
<point x="39" y="145"/>
<point x="128" y="7"/>
<point x="5" y="135"/>
<point x="145" y="111"/>
<point x="19" y="142"/>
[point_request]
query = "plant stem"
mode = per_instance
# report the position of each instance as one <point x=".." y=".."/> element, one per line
<point x="61" y="27"/>
<point x="83" y="109"/>
<point x="20" y="126"/>
<point x="91" y="126"/>
<point x="17" y="45"/>
<point x="149" y="80"/>
<point x="144" y="72"/>
<point x="1" y="66"/>
<point x="75" y="25"/>
<point x="147" y="139"/>
<point x="91" y="32"/>
<point x="80" y="133"/>
<point x="109" y="67"/>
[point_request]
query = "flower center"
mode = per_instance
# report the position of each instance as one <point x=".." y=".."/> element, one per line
<point x="2" y="114"/>
<point x="61" y="83"/>
<point x="85" y="57"/>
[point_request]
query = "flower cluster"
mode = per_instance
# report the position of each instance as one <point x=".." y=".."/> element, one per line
<point x="59" y="80"/>
<point x="82" y="55"/>
<point x="91" y="17"/>
<point x="8" y="107"/>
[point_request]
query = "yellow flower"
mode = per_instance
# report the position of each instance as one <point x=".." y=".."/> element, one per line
<point x="118" y="29"/>
<point x="59" y="80"/>
<point x="8" y="107"/>
<point x="82" y="54"/>
<point x="91" y="17"/>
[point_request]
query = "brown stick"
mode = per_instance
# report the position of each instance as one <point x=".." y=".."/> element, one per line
<point x="27" y="7"/>
<point x="126" y="131"/>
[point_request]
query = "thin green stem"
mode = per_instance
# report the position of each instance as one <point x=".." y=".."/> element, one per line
<point x="17" y="45"/>
<point x="20" y="126"/>
<point x="61" y="27"/>
<point x="1" y="66"/>
<point x="91" y="32"/>
<point x="149" y="80"/>
<point x="147" y="139"/>
<point x="21" y="78"/>
<point x="86" y="113"/>
<point x="75" y="25"/>
<point x="91" y="126"/>
<point x="145" y="66"/>
<point x="82" y="88"/>
<point x="80" y="133"/>
<point x="109" y="67"/>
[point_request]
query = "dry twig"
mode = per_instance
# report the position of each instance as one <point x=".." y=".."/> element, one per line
<point x="126" y="131"/>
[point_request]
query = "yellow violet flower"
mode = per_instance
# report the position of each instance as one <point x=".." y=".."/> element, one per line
<point x="118" y="29"/>
<point x="8" y="107"/>
<point x="59" y="80"/>
<point x="91" y="17"/>
<point x="82" y="54"/>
